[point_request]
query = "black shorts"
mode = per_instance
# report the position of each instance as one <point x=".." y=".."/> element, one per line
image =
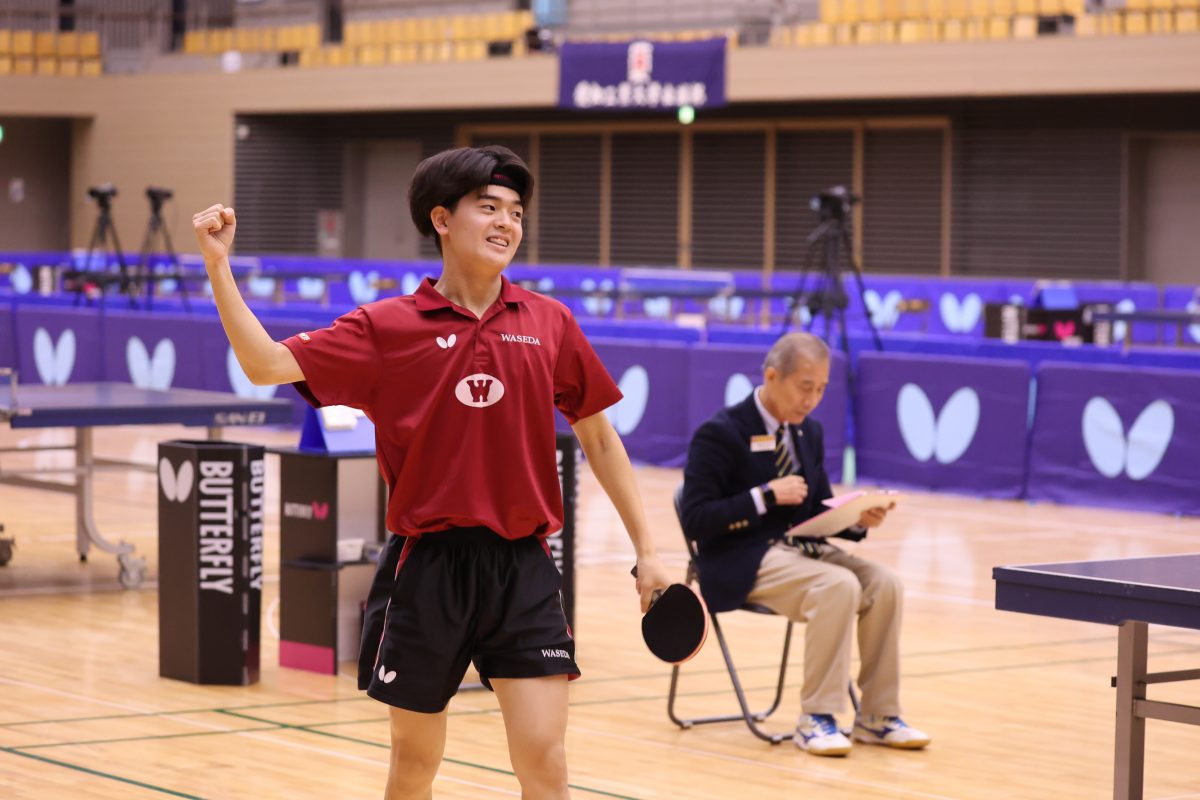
<point x="443" y="600"/>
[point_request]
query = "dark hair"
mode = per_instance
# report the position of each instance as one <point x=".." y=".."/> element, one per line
<point x="445" y="178"/>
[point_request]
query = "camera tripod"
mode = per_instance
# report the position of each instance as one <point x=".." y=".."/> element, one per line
<point x="827" y="300"/>
<point x="83" y="280"/>
<point x="156" y="229"/>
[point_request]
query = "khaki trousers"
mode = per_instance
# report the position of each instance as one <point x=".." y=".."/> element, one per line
<point x="826" y="594"/>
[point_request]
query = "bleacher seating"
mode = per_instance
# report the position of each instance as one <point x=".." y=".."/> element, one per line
<point x="846" y="22"/>
<point x="49" y="53"/>
<point x="375" y="42"/>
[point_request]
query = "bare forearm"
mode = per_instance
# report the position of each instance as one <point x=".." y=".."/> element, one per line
<point x="610" y="464"/>
<point x="264" y="360"/>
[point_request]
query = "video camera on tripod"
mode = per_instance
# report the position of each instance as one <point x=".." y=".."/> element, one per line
<point x="830" y="243"/>
<point x="91" y="281"/>
<point x="834" y="202"/>
<point x="102" y="194"/>
<point x="158" y="195"/>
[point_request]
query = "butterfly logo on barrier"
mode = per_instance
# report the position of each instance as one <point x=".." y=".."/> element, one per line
<point x="1119" y="328"/>
<point x="364" y="288"/>
<point x="176" y="485"/>
<point x="945" y="436"/>
<point x="409" y="283"/>
<point x="310" y="288"/>
<point x="884" y="311"/>
<point x="259" y="286"/>
<point x="242" y="385"/>
<point x="55" y="361"/>
<point x="597" y="306"/>
<point x="165" y="286"/>
<point x="737" y="388"/>
<point x="657" y="307"/>
<point x="320" y="510"/>
<point x="1194" y="330"/>
<point x="20" y="280"/>
<point x="731" y="307"/>
<point x="1137" y="454"/>
<point x="960" y="317"/>
<point x="148" y="372"/>
<point x="627" y="414"/>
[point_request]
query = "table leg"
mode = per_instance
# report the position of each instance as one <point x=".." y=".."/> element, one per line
<point x="1129" y="763"/>
<point x="86" y="532"/>
<point x="84" y="467"/>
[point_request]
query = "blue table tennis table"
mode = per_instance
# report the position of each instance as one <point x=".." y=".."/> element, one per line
<point x="1130" y="593"/>
<point x="84" y="406"/>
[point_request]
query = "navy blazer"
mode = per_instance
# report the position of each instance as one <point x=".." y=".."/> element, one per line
<point x="718" y="511"/>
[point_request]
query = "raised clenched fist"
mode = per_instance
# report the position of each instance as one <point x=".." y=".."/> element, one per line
<point x="214" y="227"/>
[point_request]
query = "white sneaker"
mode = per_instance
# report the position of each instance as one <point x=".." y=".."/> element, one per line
<point x="889" y="731"/>
<point x="818" y="734"/>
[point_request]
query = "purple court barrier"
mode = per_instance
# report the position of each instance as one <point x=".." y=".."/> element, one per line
<point x="59" y="345"/>
<point x="1124" y="296"/>
<point x="956" y="306"/>
<point x="652" y="418"/>
<point x="8" y="338"/>
<point x="1105" y="436"/>
<point x="221" y="372"/>
<point x="1182" y="298"/>
<point x="954" y="424"/>
<point x="155" y="351"/>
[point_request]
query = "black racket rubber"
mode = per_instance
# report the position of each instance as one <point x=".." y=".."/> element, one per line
<point x="674" y="627"/>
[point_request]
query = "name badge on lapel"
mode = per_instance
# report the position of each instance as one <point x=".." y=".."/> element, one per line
<point x="763" y="443"/>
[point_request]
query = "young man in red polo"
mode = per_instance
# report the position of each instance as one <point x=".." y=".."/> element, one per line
<point x="461" y="379"/>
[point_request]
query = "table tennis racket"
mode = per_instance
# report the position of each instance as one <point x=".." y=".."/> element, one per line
<point x="676" y="625"/>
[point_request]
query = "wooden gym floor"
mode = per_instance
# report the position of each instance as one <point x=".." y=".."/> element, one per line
<point x="1019" y="706"/>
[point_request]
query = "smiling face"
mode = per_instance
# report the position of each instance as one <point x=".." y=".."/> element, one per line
<point x="484" y="229"/>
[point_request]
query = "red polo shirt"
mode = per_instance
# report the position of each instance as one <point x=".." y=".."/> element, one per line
<point x="463" y="407"/>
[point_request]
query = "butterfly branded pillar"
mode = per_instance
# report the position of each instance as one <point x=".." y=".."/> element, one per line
<point x="210" y="561"/>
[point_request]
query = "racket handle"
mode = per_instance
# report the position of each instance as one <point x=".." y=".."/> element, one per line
<point x="657" y="592"/>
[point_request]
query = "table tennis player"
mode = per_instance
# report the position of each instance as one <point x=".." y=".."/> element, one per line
<point x="461" y="379"/>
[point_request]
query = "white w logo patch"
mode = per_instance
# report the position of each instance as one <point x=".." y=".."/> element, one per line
<point x="479" y="390"/>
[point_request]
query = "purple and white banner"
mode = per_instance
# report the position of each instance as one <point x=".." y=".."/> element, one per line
<point x="1108" y="436"/>
<point x="641" y="75"/>
<point x="155" y="351"/>
<point x="58" y="345"/>
<point x="222" y="373"/>
<point x="942" y="423"/>
<point x="652" y="418"/>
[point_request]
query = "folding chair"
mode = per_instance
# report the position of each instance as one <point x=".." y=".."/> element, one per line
<point x="751" y="718"/>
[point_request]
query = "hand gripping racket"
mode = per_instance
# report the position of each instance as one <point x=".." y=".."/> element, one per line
<point x="676" y="625"/>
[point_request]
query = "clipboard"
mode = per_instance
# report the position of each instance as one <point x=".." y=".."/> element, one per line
<point x="843" y="512"/>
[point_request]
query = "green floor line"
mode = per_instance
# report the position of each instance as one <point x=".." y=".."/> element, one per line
<point x="1162" y="637"/>
<point x="209" y="710"/>
<point x="148" y="738"/>
<point x="459" y="762"/>
<point x="98" y="773"/>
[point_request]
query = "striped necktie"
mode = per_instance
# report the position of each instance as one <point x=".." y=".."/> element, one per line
<point x="783" y="458"/>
